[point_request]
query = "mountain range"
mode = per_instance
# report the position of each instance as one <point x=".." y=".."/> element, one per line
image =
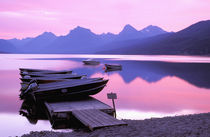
<point x="193" y="40"/>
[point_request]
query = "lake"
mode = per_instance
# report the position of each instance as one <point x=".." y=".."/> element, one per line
<point x="146" y="87"/>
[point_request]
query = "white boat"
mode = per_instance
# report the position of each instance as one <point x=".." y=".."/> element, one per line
<point x="91" y="62"/>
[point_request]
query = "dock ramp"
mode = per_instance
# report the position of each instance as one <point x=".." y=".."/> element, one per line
<point x="93" y="118"/>
<point x="90" y="112"/>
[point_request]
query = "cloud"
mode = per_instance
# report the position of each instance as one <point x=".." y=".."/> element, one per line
<point x="103" y="15"/>
<point x="31" y="14"/>
<point x="11" y="14"/>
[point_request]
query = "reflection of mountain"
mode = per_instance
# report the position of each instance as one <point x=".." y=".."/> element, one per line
<point x="197" y="74"/>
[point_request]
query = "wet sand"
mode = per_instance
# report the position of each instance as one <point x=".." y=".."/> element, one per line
<point x="197" y="125"/>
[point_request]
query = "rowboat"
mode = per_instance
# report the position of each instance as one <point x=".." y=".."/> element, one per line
<point x="65" y="90"/>
<point x="24" y="85"/>
<point x="113" y="66"/>
<point x="39" y="71"/>
<point x="45" y="75"/>
<point x="91" y="62"/>
<point x="33" y="70"/>
<point x="51" y="78"/>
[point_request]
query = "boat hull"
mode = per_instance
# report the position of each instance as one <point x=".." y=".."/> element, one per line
<point x="45" y="75"/>
<point x="113" y="67"/>
<point x="74" y="90"/>
<point x="91" y="62"/>
<point x="42" y="80"/>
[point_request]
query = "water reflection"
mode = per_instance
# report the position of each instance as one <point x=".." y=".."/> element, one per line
<point x="197" y="74"/>
<point x="32" y="111"/>
<point x="145" y="89"/>
<point x="170" y="95"/>
<point x="12" y="124"/>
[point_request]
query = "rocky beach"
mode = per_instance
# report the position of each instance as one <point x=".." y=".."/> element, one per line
<point x="195" y="125"/>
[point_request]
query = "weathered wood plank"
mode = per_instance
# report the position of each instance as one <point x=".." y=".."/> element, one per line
<point x="105" y="119"/>
<point x="87" y="110"/>
<point x="90" y="113"/>
<point x="94" y="118"/>
<point x="68" y="106"/>
<point x="86" y="119"/>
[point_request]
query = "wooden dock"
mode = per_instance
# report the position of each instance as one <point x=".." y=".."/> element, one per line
<point x="63" y="98"/>
<point x="93" y="118"/>
<point x="89" y="112"/>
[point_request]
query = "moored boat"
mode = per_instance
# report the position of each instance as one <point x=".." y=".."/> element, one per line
<point x="68" y="89"/>
<point x="24" y="85"/>
<point x="37" y="71"/>
<point x="32" y="70"/>
<point x="45" y="75"/>
<point x="113" y="66"/>
<point x="91" y="62"/>
<point x="51" y="78"/>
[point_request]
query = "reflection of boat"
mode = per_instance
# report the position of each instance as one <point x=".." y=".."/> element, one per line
<point x="110" y="70"/>
<point x="64" y="89"/>
<point x="113" y="66"/>
<point x="91" y="62"/>
<point x="32" y="111"/>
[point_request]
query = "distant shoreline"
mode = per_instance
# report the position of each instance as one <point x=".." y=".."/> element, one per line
<point x="178" y="126"/>
<point x="202" y="55"/>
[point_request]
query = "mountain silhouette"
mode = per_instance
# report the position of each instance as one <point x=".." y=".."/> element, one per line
<point x="80" y="40"/>
<point x="18" y="43"/>
<point x="152" y="30"/>
<point x="194" y="40"/>
<point x="7" y="47"/>
<point x="129" y="33"/>
<point x="34" y="45"/>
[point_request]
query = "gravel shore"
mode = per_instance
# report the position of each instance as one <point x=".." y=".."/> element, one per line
<point x="197" y="125"/>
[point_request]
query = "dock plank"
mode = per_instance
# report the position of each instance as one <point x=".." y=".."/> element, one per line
<point x="89" y="111"/>
<point x="68" y="106"/>
<point x="93" y="118"/>
<point x="88" y="122"/>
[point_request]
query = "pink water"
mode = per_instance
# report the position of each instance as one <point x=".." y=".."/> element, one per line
<point x="147" y="86"/>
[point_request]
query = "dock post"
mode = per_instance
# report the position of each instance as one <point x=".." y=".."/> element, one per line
<point x="114" y="108"/>
<point x="113" y="96"/>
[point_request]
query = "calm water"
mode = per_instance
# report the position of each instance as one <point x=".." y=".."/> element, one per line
<point x="148" y="86"/>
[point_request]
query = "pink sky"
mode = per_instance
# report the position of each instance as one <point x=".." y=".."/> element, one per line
<point x="29" y="18"/>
